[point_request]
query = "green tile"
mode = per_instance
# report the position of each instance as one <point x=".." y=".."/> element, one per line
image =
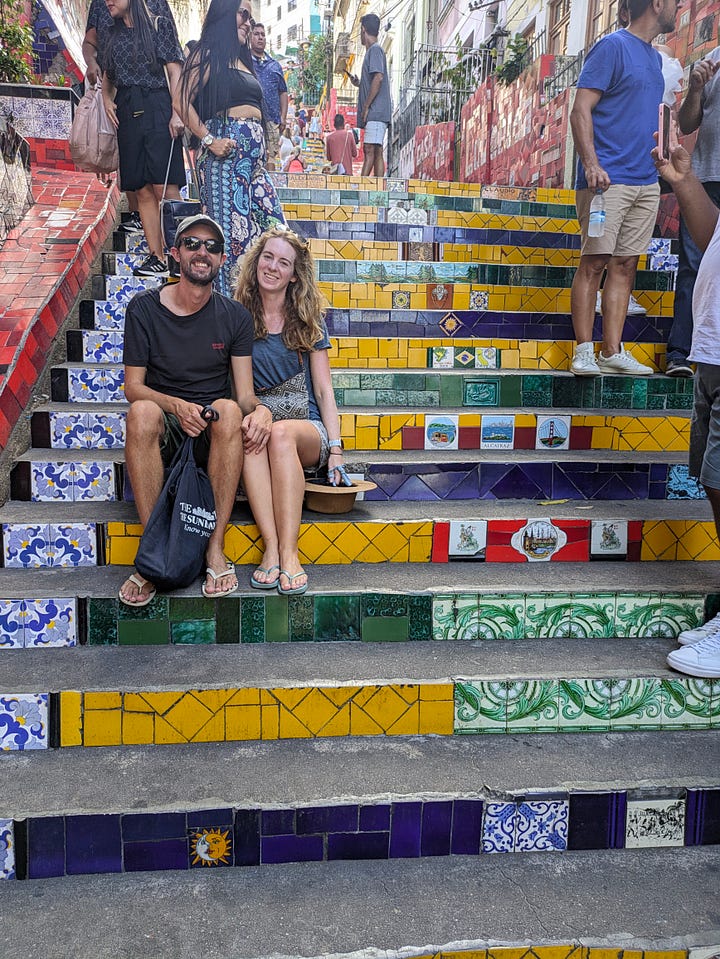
<point x="385" y="629"/>
<point x="532" y="706"/>
<point x="144" y="633"/>
<point x="452" y="390"/>
<point x="397" y="398"/>
<point x="479" y="392"/>
<point x="252" y="620"/>
<point x="688" y="703"/>
<point x="636" y="704"/>
<point x="191" y="607"/>
<point x="584" y="705"/>
<point x="593" y="615"/>
<point x="337" y="618"/>
<point x="498" y="617"/>
<point x="455" y="617"/>
<point x="201" y="632"/>
<point x="360" y="398"/>
<point x="157" y="609"/>
<point x="548" y="615"/>
<point x="276" y="620"/>
<point x="569" y="392"/>
<point x="383" y="604"/>
<point x="301" y="618"/>
<point x="227" y="619"/>
<point x="480" y="707"/>
<point x="639" y="615"/>
<point x="423" y="399"/>
<point x="511" y="391"/>
<point x="420" y="615"/>
<point x="639" y="394"/>
<point x="102" y="622"/>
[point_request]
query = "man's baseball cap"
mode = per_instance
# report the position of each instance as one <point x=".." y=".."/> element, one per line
<point x="199" y="218"/>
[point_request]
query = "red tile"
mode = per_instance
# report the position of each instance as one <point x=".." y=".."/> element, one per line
<point x="440" y="543"/>
<point x="413" y="438"/>
<point x="469" y="438"/>
<point x="524" y="438"/>
<point x="580" y="438"/>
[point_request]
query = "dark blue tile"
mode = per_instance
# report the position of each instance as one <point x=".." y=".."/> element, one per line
<point x="466" y="827"/>
<point x="596" y="821"/>
<point x="210" y="817"/>
<point x="361" y="845"/>
<point x="247" y="837"/>
<point x="92" y="844"/>
<point x="292" y="849"/>
<point x="436" y="822"/>
<point x="405" y="830"/>
<point x="709" y="831"/>
<point x="144" y="826"/>
<point x="278" y="822"/>
<point x="315" y="819"/>
<point x="161" y="854"/>
<point x="45" y="847"/>
<point x="374" y="818"/>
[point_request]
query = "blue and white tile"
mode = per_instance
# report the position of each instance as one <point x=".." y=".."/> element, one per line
<point x="93" y="482"/>
<point x="50" y="622"/>
<point x="26" y="546"/>
<point x="96" y="385"/>
<point x="106" y="431"/>
<point x="541" y="826"/>
<point x="102" y="346"/>
<point x="125" y="263"/>
<point x="51" y="482"/>
<point x="499" y="824"/>
<point x="136" y="243"/>
<point x="7" y="849"/>
<point x="23" y="721"/>
<point x="81" y="430"/>
<point x="680" y="485"/>
<point x="655" y="822"/>
<point x="109" y="315"/>
<point x="659" y="245"/>
<point x="479" y="299"/>
<point x="664" y="262"/>
<point x="121" y="289"/>
<point x="12" y="629"/>
<point x="72" y="545"/>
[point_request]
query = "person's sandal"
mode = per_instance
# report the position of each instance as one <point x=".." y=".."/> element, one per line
<point x="291" y="576"/>
<point x="141" y="583"/>
<point x="228" y="571"/>
<point x="256" y="584"/>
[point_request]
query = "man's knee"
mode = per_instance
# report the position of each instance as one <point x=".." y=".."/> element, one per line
<point x="623" y="265"/>
<point x="229" y="421"/>
<point x="144" y="422"/>
<point x="593" y="265"/>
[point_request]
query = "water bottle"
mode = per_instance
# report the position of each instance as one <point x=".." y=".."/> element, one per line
<point x="596" y="220"/>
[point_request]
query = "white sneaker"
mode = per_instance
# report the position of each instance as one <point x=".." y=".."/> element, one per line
<point x="622" y="362"/>
<point x="583" y="362"/>
<point x="688" y="637"/>
<point x="598" y="303"/>
<point x="700" y="659"/>
<point x="634" y="308"/>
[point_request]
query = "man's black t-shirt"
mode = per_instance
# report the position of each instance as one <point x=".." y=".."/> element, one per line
<point x="186" y="356"/>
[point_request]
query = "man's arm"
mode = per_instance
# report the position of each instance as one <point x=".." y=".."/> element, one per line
<point x="581" y="122"/>
<point x="690" y="113"/>
<point x="283" y="110"/>
<point x="89" y="52"/>
<point x="375" y="84"/>
<point x="698" y="210"/>
<point x="257" y="419"/>
<point x="188" y="414"/>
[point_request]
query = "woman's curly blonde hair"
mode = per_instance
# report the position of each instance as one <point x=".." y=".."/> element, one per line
<point x="304" y="303"/>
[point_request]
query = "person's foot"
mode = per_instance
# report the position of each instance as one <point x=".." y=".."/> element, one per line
<point x="133" y="224"/>
<point x="634" y="308"/>
<point x="292" y="578"/>
<point x="622" y="362"/>
<point x="583" y="362"/>
<point x="136" y="591"/>
<point x="152" y="266"/>
<point x="699" y="659"/>
<point x="678" y="368"/>
<point x="688" y="637"/>
<point x="265" y="577"/>
<point x="220" y="579"/>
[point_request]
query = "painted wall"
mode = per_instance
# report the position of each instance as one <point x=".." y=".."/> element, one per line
<point x="434" y="152"/>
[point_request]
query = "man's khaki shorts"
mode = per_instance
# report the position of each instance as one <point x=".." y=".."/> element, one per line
<point x="630" y="216"/>
<point x="272" y="132"/>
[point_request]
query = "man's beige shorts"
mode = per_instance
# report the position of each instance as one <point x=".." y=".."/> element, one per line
<point x="272" y="133"/>
<point x="630" y="215"/>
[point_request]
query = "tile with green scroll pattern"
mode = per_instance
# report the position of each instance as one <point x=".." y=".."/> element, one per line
<point x="383" y="604"/>
<point x="454" y="615"/>
<point x="683" y="611"/>
<point x="636" y="704"/>
<point x="584" y="705"/>
<point x="301" y="617"/>
<point x="547" y="615"/>
<point x="501" y="617"/>
<point x="480" y="707"/>
<point x="639" y="615"/>
<point x="593" y="615"/>
<point x="690" y="703"/>
<point x="532" y="706"/>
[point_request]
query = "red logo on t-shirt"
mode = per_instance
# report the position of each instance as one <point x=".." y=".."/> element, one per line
<point x="218" y="346"/>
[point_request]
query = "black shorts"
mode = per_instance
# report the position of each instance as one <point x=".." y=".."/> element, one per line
<point x="144" y="139"/>
<point x="174" y="437"/>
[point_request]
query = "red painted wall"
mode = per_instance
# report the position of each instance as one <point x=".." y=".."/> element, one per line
<point x="434" y="151"/>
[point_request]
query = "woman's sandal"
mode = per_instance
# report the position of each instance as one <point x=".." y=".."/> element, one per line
<point x="291" y="576"/>
<point x="256" y="584"/>
<point x="228" y="571"/>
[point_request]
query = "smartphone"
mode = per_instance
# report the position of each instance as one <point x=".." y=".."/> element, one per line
<point x="664" y="131"/>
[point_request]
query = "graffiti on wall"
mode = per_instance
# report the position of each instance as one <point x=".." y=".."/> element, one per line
<point x="435" y="151"/>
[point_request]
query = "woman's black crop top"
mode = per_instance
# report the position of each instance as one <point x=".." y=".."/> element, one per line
<point x="242" y="90"/>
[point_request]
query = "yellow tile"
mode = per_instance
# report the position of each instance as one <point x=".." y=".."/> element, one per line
<point x="167" y="734"/>
<point x="138" y="729"/>
<point x="242" y="723"/>
<point x="213" y="731"/>
<point x="188" y="716"/>
<point x="121" y="551"/>
<point x="116" y="529"/>
<point x="103" y="701"/>
<point x="290" y="727"/>
<point x="160" y="703"/>
<point x="363" y="725"/>
<point x="102" y="727"/>
<point x="214" y="699"/>
<point x="70" y="718"/>
<point x="270" y="721"/>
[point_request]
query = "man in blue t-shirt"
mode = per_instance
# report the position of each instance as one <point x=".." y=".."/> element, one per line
<point x="613" y="121"/>
<point x="272" y="80"/>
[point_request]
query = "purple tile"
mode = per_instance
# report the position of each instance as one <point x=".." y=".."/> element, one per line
<point x="436" y="820"/>
<point x="374" y="818"/>
<point x="363" y="845"/>
<point x="247" y="837"/>
<point x="316" y="819"/>
<point x="709" y="818"/>
<point x="466" y="827"/>
<point x="145" y="826"/>
<point x="45" y="847"/>
<point x="694" y="815"/>
<point x="445" y="483"/>
<point x="596" y="821"/>
<point x="414" y="490"/>
<point x="405" y="830"/>
<point x="210" y="817"/>
<point x="292" y="849"/>
<point x="92" y="844"/>
<point x="160" y="854"/>
<point x="278" y="822"/>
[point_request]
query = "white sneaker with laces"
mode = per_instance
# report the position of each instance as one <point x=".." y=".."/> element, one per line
<point x="701" y="659"/>
<point x="688" y="637"/>
<point x="634" y="308"/>
<point x="598" y="303"/>
<point x="622" y="362"/>
<point x="583" y="362"/>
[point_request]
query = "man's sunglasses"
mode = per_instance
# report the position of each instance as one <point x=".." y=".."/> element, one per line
<point x="246" y="17"/>
<point x="193" y="243"/>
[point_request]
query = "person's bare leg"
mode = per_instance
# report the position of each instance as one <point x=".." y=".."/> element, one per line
<point x="144" y="430"/>
<point x="619" y="283"/>
<point x="224" y="468"/>
<point x="368" y="159"/>
<point x="150" y="216"/>
<point x="379" y="164"/>
<point x="131" y="201"/>
<point x="583" y="295"/>
<point x="257" y="483"/>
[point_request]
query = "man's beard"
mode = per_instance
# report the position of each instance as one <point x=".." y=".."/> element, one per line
<point x="205" y="280"/>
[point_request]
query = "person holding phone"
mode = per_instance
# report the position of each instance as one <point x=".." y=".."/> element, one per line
<point x="700" y="110"/>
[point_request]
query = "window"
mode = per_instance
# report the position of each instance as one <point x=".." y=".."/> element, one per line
<point x="279" y="14"/>
<point x="292" y="5"/>
<point x="602" y="19"/>
<point x="292" y="33"/>
<point x="559" y="20"/>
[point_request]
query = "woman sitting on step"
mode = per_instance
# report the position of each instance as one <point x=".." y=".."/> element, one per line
<point x="291" y="374"/>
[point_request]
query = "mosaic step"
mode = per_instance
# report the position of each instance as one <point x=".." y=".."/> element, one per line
<point x="236" y="825"/>
<point x="102" y="696"/>
<point x="41" y="475"/>
<point x="369" y="605"/>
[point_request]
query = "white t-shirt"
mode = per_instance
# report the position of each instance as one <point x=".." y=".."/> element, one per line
<point x="706" y="306"/>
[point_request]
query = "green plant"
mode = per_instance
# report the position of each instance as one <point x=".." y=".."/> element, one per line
<point x="16" y="40"/>
<point x="315" y="67"/>
<point x="514" y="62"/>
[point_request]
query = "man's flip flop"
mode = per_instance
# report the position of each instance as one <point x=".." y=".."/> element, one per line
<point x="291" y="576"/>
<point x="228" y="571"/>
<point x="141" y="584"/>
<point x="256" y="584"/>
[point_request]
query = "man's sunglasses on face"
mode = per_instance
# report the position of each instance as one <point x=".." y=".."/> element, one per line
<point x="193" y="243"/>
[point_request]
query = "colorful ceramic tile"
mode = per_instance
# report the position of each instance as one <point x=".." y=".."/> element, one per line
<point x="584" y="705"/>
<point x="455" y="617"/>
<point x="23" y="721"/>
<point x="481" y="707"/>
<point x="541" y="826"/>
<point x="468" y="539"/>
<point x="210" y="846"/>
<point x="87" y="430"/>
<point x="481" y="392"/>
<point x="400" y="300"/>
<point x="655" y="822"/>
<point x="7" y="849"/>
<point x="102" y="346"/>
<point x="497" y="432"/>
<point x="95" y="385"/>
<point x="441" y="432"/>
<point x="608" y="538"/>
<point x="450" y="324"/>
<point x="49" y="622"/>
<point x="531" y="705"/>
<point x="479" y="299"/>
<point x="553" y="433"/>
<point x="442" y="357"/>
<point x="498" y="830"/>
<point x="538" y="540"/>
<point x="487" y="358"/>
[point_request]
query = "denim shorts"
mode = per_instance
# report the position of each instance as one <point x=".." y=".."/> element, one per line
<point x="375" y="132"/>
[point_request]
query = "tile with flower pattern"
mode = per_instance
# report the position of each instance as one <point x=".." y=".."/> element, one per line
<point x="7" y="849"/>
<point x="23" y="721"/>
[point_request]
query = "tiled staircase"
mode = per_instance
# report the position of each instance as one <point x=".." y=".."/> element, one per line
<point x="532" y="549"/>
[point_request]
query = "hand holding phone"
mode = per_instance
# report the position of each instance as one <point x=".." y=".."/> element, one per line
<point x="664" y="122"/>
